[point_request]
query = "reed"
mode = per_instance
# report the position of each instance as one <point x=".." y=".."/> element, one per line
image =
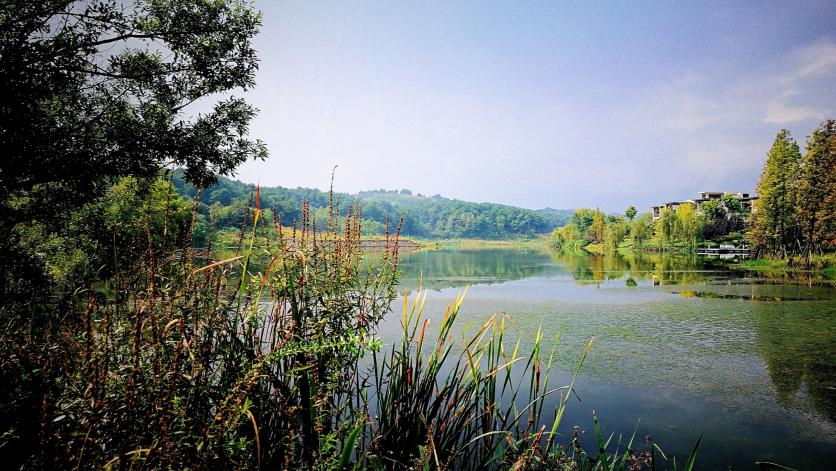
<point x="269" y="359"/>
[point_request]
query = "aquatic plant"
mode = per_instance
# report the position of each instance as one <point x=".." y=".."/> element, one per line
<point x="268" y="358"/>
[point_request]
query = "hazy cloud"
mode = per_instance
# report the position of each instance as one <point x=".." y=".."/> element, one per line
<point x="817" y="59"/>
<point x="779" y="112"/>
<point x="808" y="70"/>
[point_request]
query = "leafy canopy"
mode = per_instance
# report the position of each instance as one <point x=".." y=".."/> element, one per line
<point x="101" y="89"/>
<point x="98" y="90"/>
<point x="774" y="225"/>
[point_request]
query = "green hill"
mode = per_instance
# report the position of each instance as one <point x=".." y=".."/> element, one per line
<point x="424" y="217"/>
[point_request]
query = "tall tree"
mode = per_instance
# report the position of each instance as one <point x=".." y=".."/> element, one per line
<point x="774" y="228"/>
<point x="687" y="225"/>
<point x="100" y="89"/>
<point x="641" y="229"/>
<point x="631" y="212"/>
<point x="582" y="219"/>
<point x="816" y="197"/>
<point x="596" y="230"/>
<point x="665" y="226"/>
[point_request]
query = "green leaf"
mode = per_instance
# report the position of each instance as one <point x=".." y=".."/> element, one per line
<point x="768" y="466"/>
<point x="689" y="463"/>
<point x="348" y="446"/>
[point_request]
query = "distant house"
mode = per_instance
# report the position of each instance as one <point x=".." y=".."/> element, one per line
<point x="744" y="198"/>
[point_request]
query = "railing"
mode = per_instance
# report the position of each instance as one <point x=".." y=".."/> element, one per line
<point x="719" y="251"/>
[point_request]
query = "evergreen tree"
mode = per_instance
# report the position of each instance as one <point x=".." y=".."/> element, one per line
<point x="631" y="212"/>
<point x="774" y="224"/>
<point x="817" y="189"/>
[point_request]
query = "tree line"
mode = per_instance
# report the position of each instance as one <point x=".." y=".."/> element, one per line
<point x="794" y="214"/>
<point x="225" y="203"/>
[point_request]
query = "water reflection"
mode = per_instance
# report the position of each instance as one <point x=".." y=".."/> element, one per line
<point x="451" y="268"/>
<point x="678" y="324"/>
<point x="798" y="348"/>
<point x="658" y="268"/>
<point x="456" y="268"/>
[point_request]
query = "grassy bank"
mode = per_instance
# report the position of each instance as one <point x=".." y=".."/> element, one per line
<point x="228" y="240"/>
<point x="821" y="264"/>
<point x="538" y="243"/>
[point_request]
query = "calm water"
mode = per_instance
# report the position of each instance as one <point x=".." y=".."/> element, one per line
<point x="749" y="362"/>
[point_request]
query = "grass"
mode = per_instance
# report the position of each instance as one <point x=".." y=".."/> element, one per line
<point x="477" y="244"/>
<point x="482" y="408"/>
<point x="823" y="264"/>
<point x="178" y="362"/>
<point x="595" y="248"/>
<point x="763" y="264"/>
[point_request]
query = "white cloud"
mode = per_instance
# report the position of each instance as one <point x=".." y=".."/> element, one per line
<point x="817" y="59"/>
<point x="779" y="112"/>
<point x="809" y="68"/>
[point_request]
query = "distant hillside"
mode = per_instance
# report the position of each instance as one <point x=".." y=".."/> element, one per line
<point x="432" y="217"/>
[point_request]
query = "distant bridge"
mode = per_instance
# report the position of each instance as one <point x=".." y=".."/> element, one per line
<point x="723" y="251"/>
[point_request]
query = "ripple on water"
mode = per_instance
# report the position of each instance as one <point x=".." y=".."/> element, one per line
<point x="683" y="349"/>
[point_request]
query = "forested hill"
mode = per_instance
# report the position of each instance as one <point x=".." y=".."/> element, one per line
<point x="425" y="217"/>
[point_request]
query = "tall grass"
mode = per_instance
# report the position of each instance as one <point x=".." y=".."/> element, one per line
<point x="481" y="407"/>
<point x="269" y="359"/>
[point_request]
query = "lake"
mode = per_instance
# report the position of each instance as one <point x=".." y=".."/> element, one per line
<point x="748" y="361"/>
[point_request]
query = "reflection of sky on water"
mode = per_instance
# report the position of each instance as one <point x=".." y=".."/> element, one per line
<point x="684" y="348"/>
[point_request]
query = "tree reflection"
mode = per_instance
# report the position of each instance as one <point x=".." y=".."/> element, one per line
<point x="797" y="341"/>
<point x="457" y="268"/>
<point x="662" y="269"/>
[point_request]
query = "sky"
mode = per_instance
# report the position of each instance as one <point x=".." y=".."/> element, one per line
<point x="537" y="104"/>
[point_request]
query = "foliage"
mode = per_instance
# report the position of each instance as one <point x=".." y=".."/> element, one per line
<point x="665" y="226"/>
<point x="582" y="219"/>
<point x="721" y="217"/>
<point x="98" y="90"/>
<point x="173" y="363"/>
<point x="258" y="361"/>
<point x="427" y="218"/>
<point x="132" y="216"/>
<point x="567" y="235"/>
<point x="641" y="229"/>
<point x="614" y="233"/>
<point x="687" y="224"/>
<point x="596" y="230"/>
<point x="774" y="224"/>
<point x="794" y="214"/>
<point x="817" y="191"/>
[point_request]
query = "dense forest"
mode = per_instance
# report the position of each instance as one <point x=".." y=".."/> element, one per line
<point x="225" y="203"/>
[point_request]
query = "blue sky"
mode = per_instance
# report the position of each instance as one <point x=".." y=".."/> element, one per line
<point x="559" y="104"/>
